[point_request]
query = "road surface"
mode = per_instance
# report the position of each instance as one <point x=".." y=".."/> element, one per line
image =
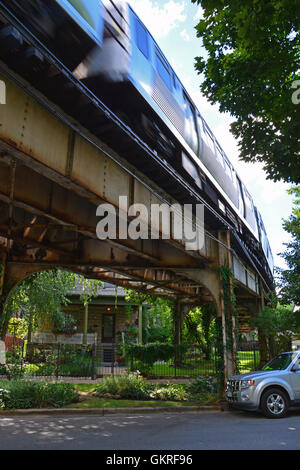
<point x="209" y="430"/>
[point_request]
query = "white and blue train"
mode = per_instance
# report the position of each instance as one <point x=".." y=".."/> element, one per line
<point x="108" y="47"/>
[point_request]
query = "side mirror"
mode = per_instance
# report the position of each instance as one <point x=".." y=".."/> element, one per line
<point x="296" y="367"/>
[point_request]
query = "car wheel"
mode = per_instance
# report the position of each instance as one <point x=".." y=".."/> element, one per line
<point x="274" y="403"/>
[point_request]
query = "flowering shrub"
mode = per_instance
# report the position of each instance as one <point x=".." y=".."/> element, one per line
<point x="130" y="386"/>
<point x="4" y="397"/>
<point x="169" y="392"/>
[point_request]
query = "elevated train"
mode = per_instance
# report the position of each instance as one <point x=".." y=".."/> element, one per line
<point x="107" y="46"/>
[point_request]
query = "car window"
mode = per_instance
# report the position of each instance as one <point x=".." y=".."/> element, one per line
<point x="279" y="362"/>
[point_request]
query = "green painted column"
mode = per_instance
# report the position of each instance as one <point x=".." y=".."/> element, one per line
<point x="85" y="324"/>
<point x="141" y="309"/>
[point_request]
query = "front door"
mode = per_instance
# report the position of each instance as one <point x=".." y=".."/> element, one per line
<point x="108" y="328"/>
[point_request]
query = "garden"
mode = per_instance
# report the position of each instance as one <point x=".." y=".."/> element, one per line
<point x="128" y="390"/>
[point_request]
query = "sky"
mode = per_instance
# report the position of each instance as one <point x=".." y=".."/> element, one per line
<point x="172" y="24"/>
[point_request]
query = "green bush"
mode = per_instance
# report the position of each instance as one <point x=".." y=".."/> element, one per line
<point x="24" y="394"/>
<point x="169" y="392"/>
<point x="203" y="384"/>
<point x="146" y="355"/>
<point x="4" y="397"/>
<point x="131" y="386"/>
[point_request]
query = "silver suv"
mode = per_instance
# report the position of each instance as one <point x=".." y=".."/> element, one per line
<point x="272" y="390"/>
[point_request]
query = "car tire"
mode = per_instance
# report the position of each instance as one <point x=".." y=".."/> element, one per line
<point x="274" y="403"/>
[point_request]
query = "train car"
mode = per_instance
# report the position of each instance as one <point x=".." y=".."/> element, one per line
<point x="71" y="29"/>
<point x="134" y="78"/>
<point x="107" y="46"/>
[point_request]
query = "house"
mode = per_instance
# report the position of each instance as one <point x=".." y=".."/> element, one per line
<point x="108" y="315"/>
<point x="106" y="321"/>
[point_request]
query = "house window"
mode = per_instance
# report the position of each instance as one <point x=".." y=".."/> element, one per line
<point x="142" y="39"/>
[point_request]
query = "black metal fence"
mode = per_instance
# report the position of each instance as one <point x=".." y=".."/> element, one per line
<point x="91" y="362"/>
<point x="54" y="360"/>
<point x="191" y="363"/>
<point x="248" y="357"/>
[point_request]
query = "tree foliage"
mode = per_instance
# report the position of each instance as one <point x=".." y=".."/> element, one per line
<point x="290" y="278"/>
<point x="252" y="63"/>
<point x="278" y="324"/>
<point x="158" y="323"/>
<point x="199" y="328"/>
<point x="42" y="295"/>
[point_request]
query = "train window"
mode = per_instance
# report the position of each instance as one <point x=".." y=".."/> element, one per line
<point x="163" y="69"/>
<point x="191" y="135"/>
<point x="201" y="125"/>
<point x="210" y="141"/>
<point x="176" y="82"/>
<point x="187" y="107"/>
<point x="248" y="199"/>
<point x="228" y="168"/>
<point x="241" y="199"/>
<point x="142" y="39"/>
<point x="219" y="155"/>
<point x="88" y="11"/>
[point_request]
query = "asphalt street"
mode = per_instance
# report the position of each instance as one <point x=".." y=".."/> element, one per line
<point x="209" y="430"/>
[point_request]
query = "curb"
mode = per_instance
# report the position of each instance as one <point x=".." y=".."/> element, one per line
<point x="109" y="411"/>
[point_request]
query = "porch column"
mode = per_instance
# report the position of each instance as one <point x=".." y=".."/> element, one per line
<point x="177" y="328"/>
<point x="85" y="324"/>
<point x="141" y="309"/>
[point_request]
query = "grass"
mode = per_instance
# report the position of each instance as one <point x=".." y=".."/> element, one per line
<point x="112" y="403"/>
<point x="203" y="367"/>
<point x="89" y="401"/>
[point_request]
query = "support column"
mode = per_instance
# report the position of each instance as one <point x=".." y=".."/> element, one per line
<point x="262" y="340"/>
<point x="180" y="311"/>
<point x="85" y="324"/>
<point x="234" y="343"/>
<point x="5" y="287"/>
<point x="141" y="310"/>
<point x="228" y="353"/>
<point x="3" y="257"/>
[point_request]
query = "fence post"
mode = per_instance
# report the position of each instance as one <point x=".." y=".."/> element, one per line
<point x="112" y="360"/>
<point x="131" y="361"/>
<point x="93" y="362"/>
<point x="175" y="362"/>
<point x="58" y="360"/>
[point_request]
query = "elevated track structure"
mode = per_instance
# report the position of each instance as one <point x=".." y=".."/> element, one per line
<point x="62" y="154"/>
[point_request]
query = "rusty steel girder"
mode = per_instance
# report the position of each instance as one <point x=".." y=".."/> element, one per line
<point x="51" y="182"/>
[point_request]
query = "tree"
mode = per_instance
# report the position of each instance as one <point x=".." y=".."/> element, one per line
<point x="290" y="278"/>
<point x="251" y="70"/>
<point x="278" y="324"/>
<point x="199" y="327"/>
<point x="158" y="325"/>
<point x="42" y="295"/>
